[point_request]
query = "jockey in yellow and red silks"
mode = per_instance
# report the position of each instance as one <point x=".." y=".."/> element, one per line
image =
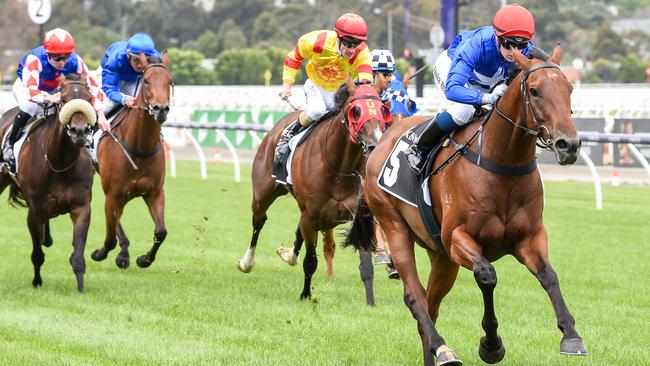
<point x="333" y="56"/>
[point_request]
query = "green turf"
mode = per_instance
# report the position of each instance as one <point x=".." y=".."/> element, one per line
<point x="193" y="307"/>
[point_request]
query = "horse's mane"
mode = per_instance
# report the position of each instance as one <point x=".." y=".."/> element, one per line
<point x="154" y="60"/>
<point x="538" y="53"/>
<point x="341" y="96"/>
<point x="73" y="76"/>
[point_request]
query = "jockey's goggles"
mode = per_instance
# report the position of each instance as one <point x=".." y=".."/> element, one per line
<point x="519" y="43"/>
<point x="386" y="73"/>
<point x="350" y="42"/>
<point x="58" y="58"/>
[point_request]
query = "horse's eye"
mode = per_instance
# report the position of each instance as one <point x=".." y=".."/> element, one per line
<point x="356" y="113"/>
<point x="146" y="82"/>
<point x="534" y="92"/>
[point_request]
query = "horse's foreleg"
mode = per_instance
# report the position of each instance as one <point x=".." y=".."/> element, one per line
<point x="156" y="204"/>
<point x="112" y="212"/>
<point x="535" y="257"/>
<point x="123" y="259"/>
<point x="415" y="298"/>
<point x="466" y="251"/>
<point x="441" y="279"/>
<point x="47" y="236"/>
<point x="38" y="257"/>
<point x="290" y="255"/>
<point x="80" y="221"/>
<point x="310" y="262"/>
<point x="329" y="249"/>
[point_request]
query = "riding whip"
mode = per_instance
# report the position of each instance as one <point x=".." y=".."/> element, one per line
<point x="418" y="71"/>
<point x="290" y="104"/>
<point x="126" y="153"/>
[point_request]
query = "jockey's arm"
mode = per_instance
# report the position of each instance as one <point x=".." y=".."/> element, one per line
<point x="293" y="60"/>
<point x="110" y="86"/>
<point x="363" y="66"/>
<point x="459" y="74"/>
<point x="31" y="77"/>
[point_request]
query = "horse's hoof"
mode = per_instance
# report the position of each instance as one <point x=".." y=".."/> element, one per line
<point x="573" y="347"/>
<point x="37" y="282"/>
<point x="143" y="262"/>
<point x="491" y="355"/>
<point x="305" y="296"/>
<point x="98" y="255"/>
<point x="47" y="243"/>
<point x="244" y="268"/>
<point x="445" y="356"/>
<point x="287" y="255"/>
<point x="122" y="262"/>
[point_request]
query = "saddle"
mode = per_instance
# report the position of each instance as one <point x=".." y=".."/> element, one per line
<point x="282" y="165"/>
<point x="32" y="124"/>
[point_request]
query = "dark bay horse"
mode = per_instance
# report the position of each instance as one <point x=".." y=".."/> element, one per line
<point x="138" y="131"/>
<point x="55" y="175"/>
<point x="326" y="176"/>
<point x="483" y="215"/>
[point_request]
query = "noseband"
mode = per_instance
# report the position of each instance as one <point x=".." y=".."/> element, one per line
<point x="539" y="133"/>
<point x="147" y="106"/>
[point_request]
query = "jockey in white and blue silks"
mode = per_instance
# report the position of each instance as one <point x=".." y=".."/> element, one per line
<point x="390" y="82"/>
<point x="122" y="68"/>
<point x="473" y="64"/>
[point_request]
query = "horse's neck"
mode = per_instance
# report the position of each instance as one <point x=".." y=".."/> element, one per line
<point x="504" y="143"/>
<point x="342" y="154"/>
<point x="140" y="131"/>
<point x="60" y="149"/>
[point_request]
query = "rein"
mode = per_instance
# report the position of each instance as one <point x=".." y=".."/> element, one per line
<point x="539" y="133"/>
<point x="148" y="107"/>
<point x="337" y="174"/>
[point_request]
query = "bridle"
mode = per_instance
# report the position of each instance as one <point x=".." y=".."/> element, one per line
<point x="542" y="130"/>
<point x="147" y="106"/>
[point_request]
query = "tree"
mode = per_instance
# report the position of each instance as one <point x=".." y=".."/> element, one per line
<point x="185" y="66"/>
<point x="230" y="36"/>
<point x="608" y="44"/>
<point x="267" y="31"/>
<point x="632" y="69"/>
<point x="208" y="44"/>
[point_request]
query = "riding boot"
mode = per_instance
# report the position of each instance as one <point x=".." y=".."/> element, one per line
<point x="283" y="143"/>
<point x="16" y="131"/>
<point x="417" y="153"/>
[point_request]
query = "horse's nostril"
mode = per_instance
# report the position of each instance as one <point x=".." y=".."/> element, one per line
<point x="561" y="145"/>
<point x="166" y="109"/>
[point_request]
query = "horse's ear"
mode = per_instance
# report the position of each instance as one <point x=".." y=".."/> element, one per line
<point x="62" y="79"/>
<point x="165" y="58"/>
<point x="84" y="78"/>
<point x="521" y="61"/>
<point x="406" y="79"/>
<point x="556" y="55"/>
<point x="352" y="87"/>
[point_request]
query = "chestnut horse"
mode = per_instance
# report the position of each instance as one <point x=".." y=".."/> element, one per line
<point x="483" y="215"/>
<point x="57" y="174"/>
<point x="326" y="177"/>
<point x="138" y="131"/>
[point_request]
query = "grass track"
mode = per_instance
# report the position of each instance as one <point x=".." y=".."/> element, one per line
<point x="192" y="307"/>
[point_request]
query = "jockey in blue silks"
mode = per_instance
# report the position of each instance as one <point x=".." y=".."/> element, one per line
<point x="393" y="91"/>
<point x="473" y="64"/>
<point x="122" y="68"/>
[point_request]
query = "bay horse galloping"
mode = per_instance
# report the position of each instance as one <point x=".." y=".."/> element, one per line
<point x="483" y="214"/>
<point x="138" y="131"/>
<point x="57" y="174"/>
<point x="326" y="176"/>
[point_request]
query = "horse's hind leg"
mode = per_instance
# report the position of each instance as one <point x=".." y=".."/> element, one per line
<point x="47" y="236"/>
<point x="535" y="257"/>
<point x="123" y="259"/>
<point x="112" y="212"/>
<point x="329" y="248"/>
<point x="38" y="257"/>
<point x="263" y="197"/>
<point x="367" y="273"/>
<point x="80" y="221"/>
<point x="156" y="203"/>
<point x="290" y="255"/>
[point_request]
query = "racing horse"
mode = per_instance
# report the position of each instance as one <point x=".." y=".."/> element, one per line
<point x="60" y="175"/>
<point x="483" y="214"/>
<point x="137" y="138"/>
<point x="326" y="177"/>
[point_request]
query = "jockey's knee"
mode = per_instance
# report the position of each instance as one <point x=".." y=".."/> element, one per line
<point x="310" y="115"/>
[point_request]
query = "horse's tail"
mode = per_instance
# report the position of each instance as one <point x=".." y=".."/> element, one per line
<point x="16" y="198"/>
<point x="361" y="234"/>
